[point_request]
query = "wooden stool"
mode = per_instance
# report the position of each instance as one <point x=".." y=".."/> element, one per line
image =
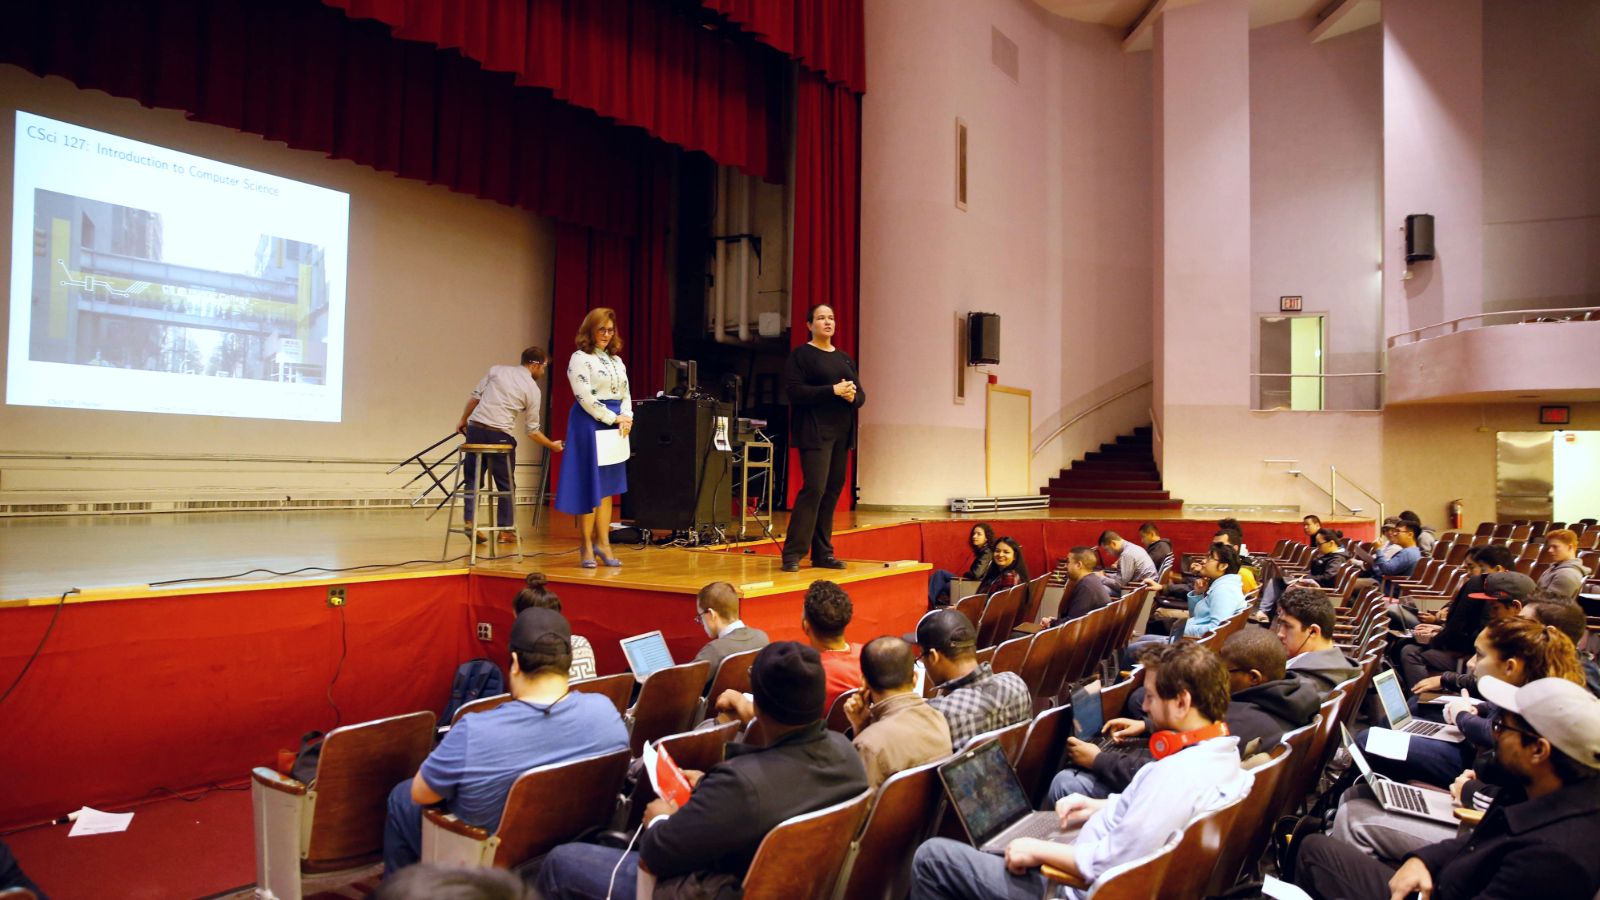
<point x="480" y="456"/>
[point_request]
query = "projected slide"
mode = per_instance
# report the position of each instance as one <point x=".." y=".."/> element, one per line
<point x="149" y="280"/>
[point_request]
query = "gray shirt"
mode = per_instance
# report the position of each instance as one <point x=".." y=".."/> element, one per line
<point x="1134" y="565"/>
<point x="1325" y="668"/>
<point x="735" y="640"/>
<point x="504" y="392"/>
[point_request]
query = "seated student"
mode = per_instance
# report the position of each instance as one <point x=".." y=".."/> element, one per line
<point x="705" y="847"/>
<point x="537" y="593"/>
<point x="1186" y="692"/>
<point x="1217" y="595"/>
<point x="1133" y="564"/>
<point x="1008" y="569"/>
<point x="1263" y="704"/>
<point x="1502" y="596"/>
<point x="1323" y="571"/>
<point x="1397" y="559"/>
<point x="972" y="697"/>
<point x="895" y="728"/>
<point x="823" y="619"/>
<point x="1088" y="591"/>
<point x="981" y="543"/>
<point x="1425" y="536"/>
<point x="1158" y="548"/>
<point x="1441" y="640"/>
<point x="1305" y="627"/>
<point x="1312" y="525"/>
<point x="1247" y="578"/>
<point x="1514" y="650"/>
<point x="717" y="607"/>
<point x="472" y="769"/>
<point x="1547" y="742"/>
<point x="1567" y="618"/>
<point x="1564" y="579"/>
<point x="1235" y="534"/>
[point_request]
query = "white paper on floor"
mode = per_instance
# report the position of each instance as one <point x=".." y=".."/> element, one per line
<point x="93" y="821"/>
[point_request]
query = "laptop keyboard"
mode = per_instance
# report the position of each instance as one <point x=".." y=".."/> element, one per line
<point x="1406" y="797"/>
<point x="1418" y="726"/>
<point x="1041" y="827"/>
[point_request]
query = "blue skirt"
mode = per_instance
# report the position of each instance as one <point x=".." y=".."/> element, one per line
<point x="584" y="482"/>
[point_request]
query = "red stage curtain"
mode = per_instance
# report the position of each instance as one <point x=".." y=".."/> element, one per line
<point x="638" y="62"/>
<point x="299" y="72"/>
<point x="827" y="221"/>
<point x="825" y="36"/>
<point x="627" y="274"/>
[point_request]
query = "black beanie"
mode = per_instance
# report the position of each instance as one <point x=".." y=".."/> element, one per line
<point x="788" y="683"/>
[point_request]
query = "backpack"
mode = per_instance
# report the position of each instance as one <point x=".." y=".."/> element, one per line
<point x="475" y="679"/>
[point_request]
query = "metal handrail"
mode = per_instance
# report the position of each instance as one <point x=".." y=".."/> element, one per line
<point x="1333" y="479"/>
<point x="1314" y="375"/>
<point x="1416" y="334"/>
<point x="1075" y="419"/>
<point x="1334" y="501"/>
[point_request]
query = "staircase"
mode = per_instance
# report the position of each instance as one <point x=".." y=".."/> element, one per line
<point x="1120" y="475"/>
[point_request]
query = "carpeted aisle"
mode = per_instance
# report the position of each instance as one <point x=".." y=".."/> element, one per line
<point x="172" y="849"/>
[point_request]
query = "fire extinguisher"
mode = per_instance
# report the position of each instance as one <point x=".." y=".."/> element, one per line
<point x="1455" y="515"/>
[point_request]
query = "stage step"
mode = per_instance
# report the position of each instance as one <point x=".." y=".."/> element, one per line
<point x="1120" y="474"/>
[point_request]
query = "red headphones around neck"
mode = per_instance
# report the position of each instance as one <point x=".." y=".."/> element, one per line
<point x="1165" y="743"/>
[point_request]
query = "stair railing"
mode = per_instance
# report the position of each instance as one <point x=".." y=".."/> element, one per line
<point x="1080" y="416"/>
<point x="1332" y="490"/>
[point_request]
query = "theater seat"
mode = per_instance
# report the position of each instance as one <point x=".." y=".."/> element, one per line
<point x="904" y="813"/>
<point x="802" y="858"/>
<point x="334" y="823"/>
<point x="547" y="806"/>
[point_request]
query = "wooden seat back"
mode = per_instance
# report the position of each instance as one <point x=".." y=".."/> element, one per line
<point x="667" y="702"/>
<point x="1040" y="652"/>
<point x="1138" y="879"/>
<point x="1010" y="738"/>
<point x="551" y="805"/>
<point x="1069" y="649"/>
<point x="482" y="704"/>
<point x="617" y="688"/>
<point x="1197" y="852"/>
<point x="1034" y="600"/>
<point x="699" y="750"/>
<point x="972" y="606"/>
<point x="995" y="623"/>
<point x="359" y="766"/>
<point x="1253" y="825"/>
<point x="1043" y="747"/>
<point x="733" y="674"/>
<point x="1114" y="698"/>
<point x="1299" y="742"/>
<point x="903" y="816"/>
<point x="1010" y="655"/>
<point x="837" y="720"/>
<point x="803" y="856"/>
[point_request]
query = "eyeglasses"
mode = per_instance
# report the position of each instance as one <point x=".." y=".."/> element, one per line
<point x="699" y="617"/>
<point x="605" y="330"/>
<point x="1498" y="726"/>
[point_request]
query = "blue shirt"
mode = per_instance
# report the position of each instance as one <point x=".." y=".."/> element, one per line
<point x="1223" y="599"/>
<point x="1400" y="564"/>
<point x="475" y="765"/>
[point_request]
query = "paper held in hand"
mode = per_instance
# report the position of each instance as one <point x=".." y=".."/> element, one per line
<point x="665" y="776"/>
<point x="610" y="447"/>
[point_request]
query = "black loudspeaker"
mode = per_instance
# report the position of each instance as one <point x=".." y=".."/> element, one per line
<point x="983" y="339"/>
<point x="1419" y="237"/>
<point x="677" y="479"/>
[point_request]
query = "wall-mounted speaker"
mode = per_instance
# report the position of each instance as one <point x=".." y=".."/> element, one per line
<point x="983" y="339"/>
<point x="1419" y="237"/>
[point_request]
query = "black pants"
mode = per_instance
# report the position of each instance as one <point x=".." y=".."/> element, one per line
<point x="11" y="874"/>
<point x="811" y="520"/>
<point x="1333" y="870"/>
<point x="1418" y="661"/>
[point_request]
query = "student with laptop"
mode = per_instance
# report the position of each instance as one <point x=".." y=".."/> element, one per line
<point x="1196" y="770"/>
<point x="1541" y="844"/>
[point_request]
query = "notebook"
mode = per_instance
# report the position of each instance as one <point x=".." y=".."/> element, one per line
<point x="646" y="653"/>
<point x="1405" y="799"/>
<point x="991" y="804"/>
<point x="1398" y="712"/>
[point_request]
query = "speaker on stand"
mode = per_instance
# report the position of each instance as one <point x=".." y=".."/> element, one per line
<point x="678" y="479"/>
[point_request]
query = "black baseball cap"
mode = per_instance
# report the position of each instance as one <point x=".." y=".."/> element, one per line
<point x="945" y="630"/>
<point x="1505" y="586"/>
<point x="536" y="624"/>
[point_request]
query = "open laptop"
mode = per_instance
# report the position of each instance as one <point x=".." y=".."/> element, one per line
<point x="1405" y="799"/>
<point x="1398" y="712"/>
<point x="646" y="653"/>
<point x="1088" y="717"/>
<point x="991" y="804"/>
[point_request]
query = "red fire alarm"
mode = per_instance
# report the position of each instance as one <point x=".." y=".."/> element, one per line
<point x="1555" y="415"/>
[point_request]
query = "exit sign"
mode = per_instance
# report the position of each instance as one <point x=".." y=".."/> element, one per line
<point x="1555" y="415"/>
<point x="1291" y="304"/>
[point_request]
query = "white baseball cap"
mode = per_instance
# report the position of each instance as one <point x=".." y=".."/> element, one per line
<point x="1563" y="713"/>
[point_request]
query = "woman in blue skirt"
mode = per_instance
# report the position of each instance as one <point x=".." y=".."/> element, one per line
<point x="600" y="387"/>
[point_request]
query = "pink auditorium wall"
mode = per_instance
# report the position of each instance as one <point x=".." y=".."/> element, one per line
<point x="1316" y="190"/>
<point x="1541" y="186"/>
<point x="1433" y="157"/>
<point x="1054" y="237"/>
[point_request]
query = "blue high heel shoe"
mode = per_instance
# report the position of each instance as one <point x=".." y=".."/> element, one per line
<point x="584" y="563"/>
<point x="610" y="561"/>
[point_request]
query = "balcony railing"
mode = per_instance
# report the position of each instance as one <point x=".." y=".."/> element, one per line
<point x="1488" y="319"/>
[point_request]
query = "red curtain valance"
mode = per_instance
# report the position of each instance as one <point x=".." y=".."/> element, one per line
<point x="637" y="62"/>
<point x="825" y="36"/>
<point x="299" y="72"/>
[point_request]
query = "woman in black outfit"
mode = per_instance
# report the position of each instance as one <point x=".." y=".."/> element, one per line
<point x="821" y="383"/>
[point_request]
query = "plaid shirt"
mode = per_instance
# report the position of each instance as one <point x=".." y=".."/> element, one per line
<point x="982" y="701"/>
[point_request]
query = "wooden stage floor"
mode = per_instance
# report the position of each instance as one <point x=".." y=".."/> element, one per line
<point x="137" y="555"/>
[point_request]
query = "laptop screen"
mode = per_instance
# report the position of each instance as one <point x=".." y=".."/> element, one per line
<point x="1359" y="758"/>
<point x="1393" y="698"/>
<point x="646" y="653"/>
<point x="1088" y="716"/>
<point x="985" y="790"/>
